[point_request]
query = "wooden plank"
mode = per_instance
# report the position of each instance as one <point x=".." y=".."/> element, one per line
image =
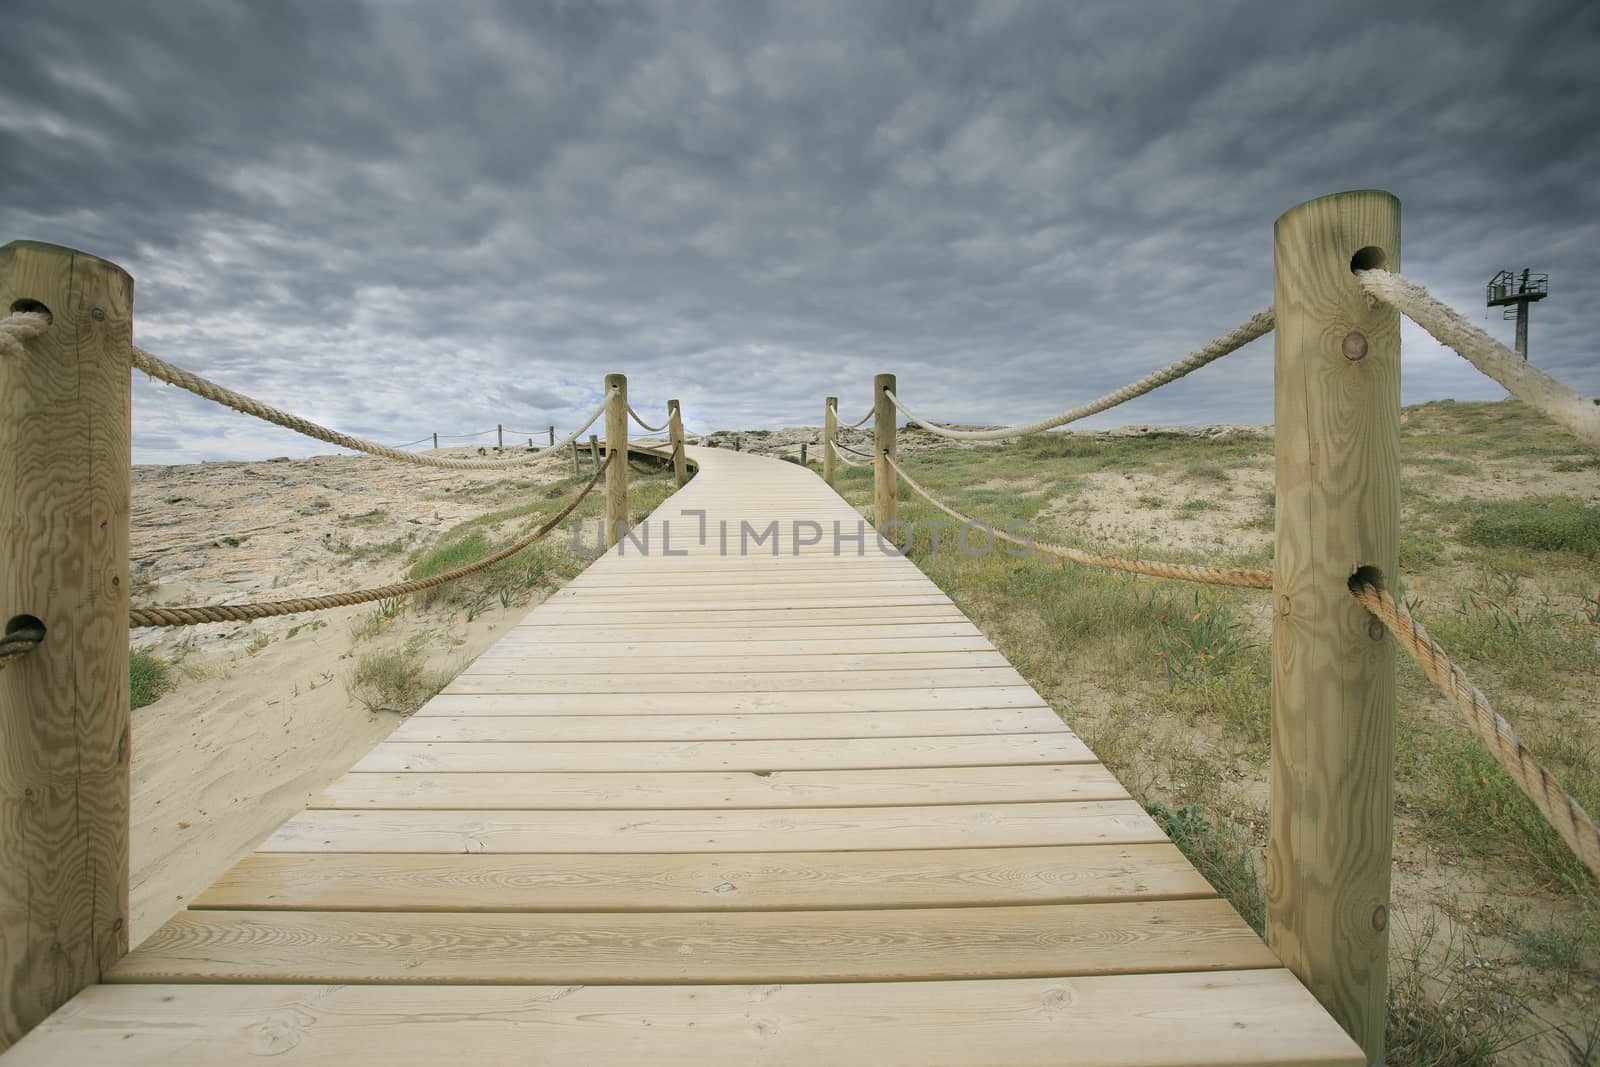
<point x="735" y="682"/>
<point x="729" y="662"/>
<point x="841" y="754"/>
<point x="974" y="697"/>
<point x="731" y="830"/>
<point x="1217" y="1018"/>
<point x="537" y="649"/>
<point x="555" y="635"/>
<point x="685" y="947"/>
<point x="842" y="725"/>
<point x="654" y="882"/>
<point x="689" y="789"/>
<point x="833" y="614"/>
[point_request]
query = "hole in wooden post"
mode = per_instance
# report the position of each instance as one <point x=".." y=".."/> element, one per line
<point x="24" y="305"/>
<point x="25" y="623"/>
<point x="1368" y="258"/>
<point x="1365" y="576"/>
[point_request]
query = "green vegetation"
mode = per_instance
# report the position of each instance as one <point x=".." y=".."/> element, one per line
<point x="148" y="678"/>
<point x="1542" y="523"/>
<point x="395" y="680"/>
<point x="1221" y="853"/>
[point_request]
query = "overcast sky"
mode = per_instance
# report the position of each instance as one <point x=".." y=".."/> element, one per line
<point x="398" y="218"/>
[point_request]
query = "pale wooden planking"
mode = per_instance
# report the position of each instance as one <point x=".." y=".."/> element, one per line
<point x="1087" y="822"/>
<point x="537" y="636"/>
<point x="706" y="882"/>
<point x="1158" y="1020"/>
<point x="541" y="648"/>
<point x="969" y="697"/>
<point x="894" y="787"/>
<point x="734" y="682"/>
<point x="793" y="755"/>
<point x="1123" y="937"/>
<point x="729" y="662"/>
<point x="823" y="725"/>
<point x="576" y="613"/>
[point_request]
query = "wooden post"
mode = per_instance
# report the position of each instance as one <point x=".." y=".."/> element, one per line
<point x="883" y="479"/>
<point x="436" y="442"/>
<point x="500" y="436"/>
<point x="830" y="430"/>
<point x="594" y="450"/>
<point x="680" y="466"/>
<point x="64" y="499"/>
<point x="552" y="435"/>
<point x="738" y="445"/>
<point x="803" y="462"/>
<point x="572" y="446"/>
<point x="1333" y="690"/>
<point x="616" y="457"/>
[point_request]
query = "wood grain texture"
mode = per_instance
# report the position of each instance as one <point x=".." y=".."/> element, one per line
<point x="1157" y="1020"/>
<point x="720" y="830"/>
<point x="796" y="755"/>
<point x="893" y="787"/>
<point x="766" y="881"/>
<point x="64" y="506"/>
<point x="1338" y="478"/>
<point x="626" y="948"/>
<point x="741" y="662"/>
<point x="770" y="726"/>
<point x="617" y="447"/>
<point x="741" y="703"/>
<point x="680" y="464"/>
<point x="776" y="681"/>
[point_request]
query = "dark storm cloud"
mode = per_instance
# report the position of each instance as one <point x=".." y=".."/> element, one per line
<point x="406" y="218"/>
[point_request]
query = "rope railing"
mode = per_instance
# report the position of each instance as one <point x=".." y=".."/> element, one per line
<point x="467" y="436"/>
<point x="1258" y="325"/>
<point x="839" y="454"/>
<point x="192" y="616"/>
<point x="852" y="425"/>
<point x="1554" y="398"/>
<point x="1188" y="572"/>
<point x="18" y="643"/>
<point x="219" y="394"/>
<point x="635" y="416"/>
<point x="20" y="326"/>
<point x="1559" y="808"/>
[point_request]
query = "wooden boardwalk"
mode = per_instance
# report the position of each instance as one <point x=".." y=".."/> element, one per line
<point x="715" y="808"/>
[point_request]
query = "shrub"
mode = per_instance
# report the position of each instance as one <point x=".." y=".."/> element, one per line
<point x="148" y="678"/>
<point x="1546" y="523"/>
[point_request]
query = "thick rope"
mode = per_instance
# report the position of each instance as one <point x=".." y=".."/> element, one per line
<point x="645" y="425"/>
<point x="18" y="327"/>
<point x="176" y="616"/>
<point x="1522" y="379"/>
<point x="838" y="454"/>
<point x="1259" y="325"/>
<point x="18" y="643"/>
<point x="1188" y="572"/>
<point x="239" y="402"/>
<point x="841" y="424"/>
<point x="841" y="447"/>
<point x="1496" y="735"/>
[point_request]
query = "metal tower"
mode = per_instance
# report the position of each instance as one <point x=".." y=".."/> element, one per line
<point x="1515" y="293"/>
